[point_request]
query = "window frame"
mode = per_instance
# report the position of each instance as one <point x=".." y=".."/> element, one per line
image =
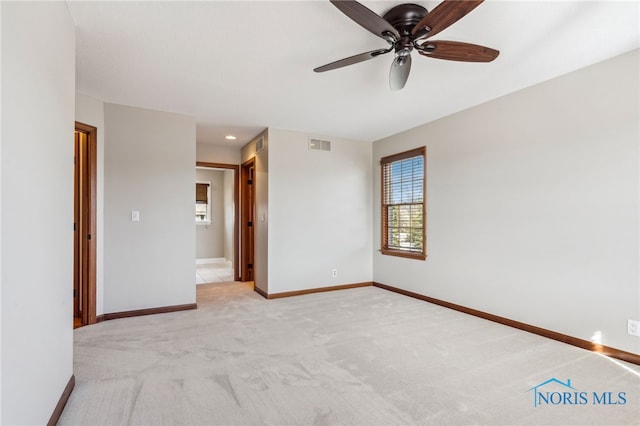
<point x="207" y="220"/>
<point x="384" y="237"/>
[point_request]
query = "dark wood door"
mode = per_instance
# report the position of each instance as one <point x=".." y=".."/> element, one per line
<point x="77" y="252"/>
<point x="248" y="220"/>
<point x="84" y="247"/>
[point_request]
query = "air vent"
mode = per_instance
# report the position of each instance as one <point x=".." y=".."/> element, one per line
<point x="319" y="145"/>
<point x="260" y="144"/>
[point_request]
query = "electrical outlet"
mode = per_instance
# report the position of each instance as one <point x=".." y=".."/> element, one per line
<point x="633" y="327"/>
<point x="334" y="273"/>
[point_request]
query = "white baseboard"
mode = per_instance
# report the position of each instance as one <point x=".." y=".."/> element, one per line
<point x="210" y="260"/>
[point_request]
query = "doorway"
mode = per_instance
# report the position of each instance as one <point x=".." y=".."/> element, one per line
<point x="84" y="225"/>
<point x="248" y="220"/>
<point x="230" y="251"/>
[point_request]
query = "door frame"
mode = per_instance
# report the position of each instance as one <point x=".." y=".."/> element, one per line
<point x="236" y="213"/>
<point x="88" y="293"/>
<point x="248" y="231"/>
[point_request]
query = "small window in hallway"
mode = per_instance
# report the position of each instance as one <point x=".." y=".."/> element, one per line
<point x="203" y="203"/>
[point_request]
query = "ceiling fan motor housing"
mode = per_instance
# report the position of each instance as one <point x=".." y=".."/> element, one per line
<point x="404" y="17"/>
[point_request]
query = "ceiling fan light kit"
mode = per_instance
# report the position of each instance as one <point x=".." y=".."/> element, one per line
<point x="407" y="27"/>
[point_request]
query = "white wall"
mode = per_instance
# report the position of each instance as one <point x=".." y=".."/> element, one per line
<point x="261" y="225"/>
<point x="38" y="85"/>
<point x="149" y="166"/>
<point x="91" y="111"/>
<point x="217" y="154"/>
<point x="229" y="205"/>
<point x="532" y="205"/>
<point x="320" y="212"/>
<point x="210" y="238"/>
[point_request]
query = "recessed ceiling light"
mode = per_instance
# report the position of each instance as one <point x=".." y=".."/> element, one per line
<point x="230" y="137"/>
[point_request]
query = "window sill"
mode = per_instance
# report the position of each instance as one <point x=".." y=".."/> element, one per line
<point x="408" y="255"/>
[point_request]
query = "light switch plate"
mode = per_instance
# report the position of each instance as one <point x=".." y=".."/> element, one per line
<point x="135" y="216"/>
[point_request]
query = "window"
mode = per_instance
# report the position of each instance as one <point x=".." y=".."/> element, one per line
<point x="403" y="204"/>
<point x="203" y="203"/>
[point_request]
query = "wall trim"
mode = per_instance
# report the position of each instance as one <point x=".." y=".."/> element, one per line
<point x="570" y="340"/>
<point x="317" y="290"/>
<point x="66" y="393"/>
<point x="260" y="292"/>
<point x="148" y="311"/>
<point x="208" y="260"/>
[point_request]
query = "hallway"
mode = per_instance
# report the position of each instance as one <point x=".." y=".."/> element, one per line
<point x="217" y="272"/>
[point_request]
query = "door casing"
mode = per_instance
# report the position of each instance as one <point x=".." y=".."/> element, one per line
<point x="248" y="220"/>
<point x="236" y="199"/>
<point x="85" y="206"/>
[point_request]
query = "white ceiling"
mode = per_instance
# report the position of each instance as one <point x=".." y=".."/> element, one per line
<point x="241" y="66"/>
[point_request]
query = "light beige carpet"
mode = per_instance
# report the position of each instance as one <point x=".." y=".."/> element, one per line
<point x="363" y="356"/>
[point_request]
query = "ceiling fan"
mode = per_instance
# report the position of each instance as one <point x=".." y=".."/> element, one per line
<point x="408" y="26"/>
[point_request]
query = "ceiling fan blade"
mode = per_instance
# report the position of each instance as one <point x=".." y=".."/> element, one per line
<point x="399" y="73"/>
<point x="445" y="14"/>
<point x="352" y="60"/>
<point x="457" y="51"/>
<point x="367" y="19"/>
